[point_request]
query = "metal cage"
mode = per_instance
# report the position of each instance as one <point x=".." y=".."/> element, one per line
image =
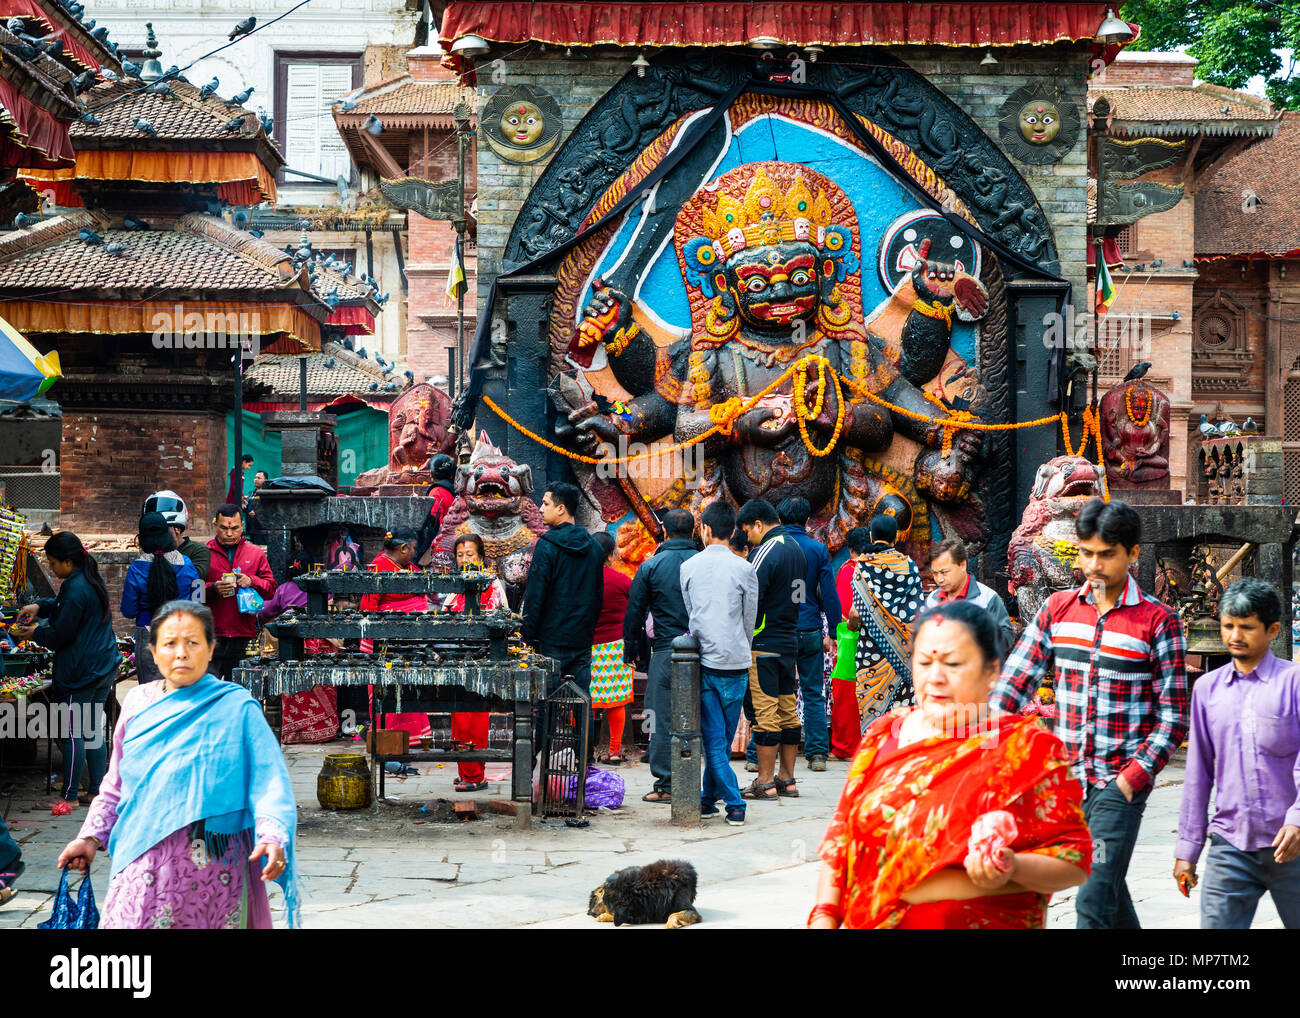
<point x="565" y="738"/>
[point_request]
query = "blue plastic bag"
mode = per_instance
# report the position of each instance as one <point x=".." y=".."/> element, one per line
<point x="248" y="600"/>
<point x="69" y="915"/>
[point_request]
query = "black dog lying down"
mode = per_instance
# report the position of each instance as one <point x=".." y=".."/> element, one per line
<point x="662" y="892"/>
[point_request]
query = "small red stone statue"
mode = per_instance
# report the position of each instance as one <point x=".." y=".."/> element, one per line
<point x="1135" y="433"/>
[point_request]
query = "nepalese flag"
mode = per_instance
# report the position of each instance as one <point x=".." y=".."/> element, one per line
<point x="1105" y="288"/>
<point x="24" y="372"/>
<point x="456" y="276"/>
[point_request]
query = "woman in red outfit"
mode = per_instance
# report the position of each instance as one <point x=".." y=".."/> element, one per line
<point x="611" y="678"/>
<point x="899" y="853"/>
<point x="846" y="722"/>
<point x="466" y="726"/>
<point x="399" y="548"/>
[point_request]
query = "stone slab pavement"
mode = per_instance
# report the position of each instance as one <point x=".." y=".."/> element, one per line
<point x="389" y="868"/>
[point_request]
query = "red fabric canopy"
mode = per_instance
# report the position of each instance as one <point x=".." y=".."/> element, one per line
<point x="32" y="9"/>
<point x="39" y="139"/>
<point x="1109" y="248"/>
<point x="354" y="319"/>
<point x="806" y="24"/>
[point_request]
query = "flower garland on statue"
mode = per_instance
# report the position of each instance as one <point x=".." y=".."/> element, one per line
<point x="802" y="411"/>
<point x="1128" y="407"/>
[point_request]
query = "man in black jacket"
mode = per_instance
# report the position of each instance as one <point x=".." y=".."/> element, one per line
<point x="657" y="590"/>
<point x="565" y="583"/>
<point x="770" y="704"/>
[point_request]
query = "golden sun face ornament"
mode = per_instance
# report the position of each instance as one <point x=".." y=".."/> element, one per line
<point x="521" y="123"/>
<point x="1038" y="124"/>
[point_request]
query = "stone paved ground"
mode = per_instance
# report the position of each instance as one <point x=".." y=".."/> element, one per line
<point x="382" y="869"/>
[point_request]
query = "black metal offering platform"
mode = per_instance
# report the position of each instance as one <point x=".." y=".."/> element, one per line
<point x="425" y="662"/>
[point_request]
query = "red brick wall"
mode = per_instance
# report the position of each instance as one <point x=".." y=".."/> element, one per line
<point x="111" y="462"/>
<point x="1144" y="72"/>
<point x="429" y="255"/>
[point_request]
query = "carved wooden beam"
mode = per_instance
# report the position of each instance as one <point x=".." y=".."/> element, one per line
<point x="383" y="158"/>
<point x="1191" y="157"/>
<point x="1208" y="171"/>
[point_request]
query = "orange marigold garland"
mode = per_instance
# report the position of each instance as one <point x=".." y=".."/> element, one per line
<point x="1128" y="406"/>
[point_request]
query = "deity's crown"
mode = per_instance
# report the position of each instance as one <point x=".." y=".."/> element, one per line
<point x="767" y="215"/>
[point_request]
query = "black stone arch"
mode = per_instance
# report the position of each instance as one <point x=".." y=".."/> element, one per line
<point x="873" y="83"/>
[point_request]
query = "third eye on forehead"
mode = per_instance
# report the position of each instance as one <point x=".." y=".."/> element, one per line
<point x="803" y="261"/>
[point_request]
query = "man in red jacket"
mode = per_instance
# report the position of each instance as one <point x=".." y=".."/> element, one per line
<point x="235" y="563"/>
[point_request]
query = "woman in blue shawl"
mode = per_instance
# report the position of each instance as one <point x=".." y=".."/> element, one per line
<point x="197" y="792"/>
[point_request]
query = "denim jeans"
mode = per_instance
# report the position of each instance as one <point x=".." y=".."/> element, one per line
<point x="83" y="741"/>
<point x="720" y="698"/>
<point x="1103" y="902"/>
<point x="10" y="853"/>
<point x="659" y="708"/>
<point x="812" y="674"/>
<point x="1236" y="880"/>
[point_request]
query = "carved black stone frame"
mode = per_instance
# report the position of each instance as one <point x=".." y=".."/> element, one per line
<point x="885" y="91"/>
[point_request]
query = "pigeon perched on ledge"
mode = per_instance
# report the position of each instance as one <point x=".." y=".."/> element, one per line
<point x="1249" y="427"/>
<point x="1137" y="371"/>
<point x="1208" y="430"/>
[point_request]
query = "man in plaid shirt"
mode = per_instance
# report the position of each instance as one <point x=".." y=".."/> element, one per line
<point x="1121" y="696"/>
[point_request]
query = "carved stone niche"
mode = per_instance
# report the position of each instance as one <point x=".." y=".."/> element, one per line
<point x="1221" y="357"/>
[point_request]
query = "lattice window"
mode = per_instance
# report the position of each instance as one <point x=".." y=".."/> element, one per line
<point x="1126" y="239"/>
<point x="1291" y="411"/>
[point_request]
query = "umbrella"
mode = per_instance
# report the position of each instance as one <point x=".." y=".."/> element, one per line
<point x="24" y="372"/>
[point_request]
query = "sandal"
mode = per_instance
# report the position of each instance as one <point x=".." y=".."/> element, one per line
<point x="614" y="761"/>
<point x="782" y="788"/>
<point x="657" y="797"/>
<point x="470" y="786"/>
<point x="756" y="791"/>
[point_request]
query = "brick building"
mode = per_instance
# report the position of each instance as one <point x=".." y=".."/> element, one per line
<point x="416" y="111"/>
<point x="1171" y="307"/>
<point x="1247" y="320"/>
<point x="149" y="300"/>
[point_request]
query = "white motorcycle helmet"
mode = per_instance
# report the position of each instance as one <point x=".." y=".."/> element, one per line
<point x="172" y="507"/>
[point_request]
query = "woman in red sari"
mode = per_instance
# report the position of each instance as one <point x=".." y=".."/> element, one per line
<point x="399" y="549"/>
<point x="899" y="852"/>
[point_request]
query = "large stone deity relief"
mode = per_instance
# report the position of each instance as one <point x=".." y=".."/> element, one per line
<point x="755" y="292"/>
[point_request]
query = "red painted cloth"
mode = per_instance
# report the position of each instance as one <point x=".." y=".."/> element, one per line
<point x="609" y="624"/>
<point x="250" y="560"/>
<point x="996" y="23"/>
<point x="907" y="813"/>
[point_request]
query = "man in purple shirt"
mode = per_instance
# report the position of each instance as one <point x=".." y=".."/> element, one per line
<point x="1245" y="744"/>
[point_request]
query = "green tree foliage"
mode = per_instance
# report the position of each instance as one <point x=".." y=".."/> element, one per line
<point x="1234" y="40"/>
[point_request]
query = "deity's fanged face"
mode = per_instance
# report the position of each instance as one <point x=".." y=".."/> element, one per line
<point x="1039" y="122"/>
<point x="522" y="123"/>
<point x="774" y="286"/>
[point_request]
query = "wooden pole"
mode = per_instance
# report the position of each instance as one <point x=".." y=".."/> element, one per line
<point x="1237" y="556"/>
